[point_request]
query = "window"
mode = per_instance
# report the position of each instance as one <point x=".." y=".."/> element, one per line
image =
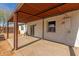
<point x="52" y="26"/>
<point x="22" y="28"/>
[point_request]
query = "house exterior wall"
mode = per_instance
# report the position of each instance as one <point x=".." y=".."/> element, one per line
<point x="38" y="28"/>
<point x="75" y="30"/>
<point x="66" y="32"/>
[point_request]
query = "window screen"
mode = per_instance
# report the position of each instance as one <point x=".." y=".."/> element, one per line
<point x="52" y="26"/>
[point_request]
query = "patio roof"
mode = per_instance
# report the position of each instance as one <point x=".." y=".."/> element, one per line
<point x="34" y="11"/>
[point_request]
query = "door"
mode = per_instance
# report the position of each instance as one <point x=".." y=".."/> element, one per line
<point x="32" y="30"/>
<point x="67" y="31"/>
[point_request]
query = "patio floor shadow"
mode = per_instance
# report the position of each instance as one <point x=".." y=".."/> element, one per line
<point x="28" y="44"/>
<point x="72" y="53"/>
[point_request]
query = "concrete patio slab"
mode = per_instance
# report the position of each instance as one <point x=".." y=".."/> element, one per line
<point x="31" y="46"/>
<point x="46" y="48"/>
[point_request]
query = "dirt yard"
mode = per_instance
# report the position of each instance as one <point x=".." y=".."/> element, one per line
<point x="5" y="49"/>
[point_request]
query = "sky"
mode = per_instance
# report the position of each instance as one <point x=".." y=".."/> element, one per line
<point x="8" y="7"/>
<point x="11" y="6"/>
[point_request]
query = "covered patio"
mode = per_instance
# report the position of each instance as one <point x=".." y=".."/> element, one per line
<point x="28" y="45"/>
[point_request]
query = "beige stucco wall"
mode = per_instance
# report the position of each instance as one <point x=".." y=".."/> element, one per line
<point x="38" y="28"/>
<point x="61" y="35"/>
<point x="75" y="30"/>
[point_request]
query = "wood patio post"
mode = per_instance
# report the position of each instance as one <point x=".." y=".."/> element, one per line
<point x="15" y="19"/>
<point x="7" y="28"/>
<point x="43" y="28"/>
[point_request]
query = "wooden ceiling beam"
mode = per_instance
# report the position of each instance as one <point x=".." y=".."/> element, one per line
<point x="29" y="14"/>
<point x="49" y="9"/>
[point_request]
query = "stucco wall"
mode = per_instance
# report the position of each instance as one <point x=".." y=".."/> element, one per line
<point x="38" y="28"/>
<point x="75" y="30"/>
<point x="59" y="34"/>
<point x="62" y="33"/>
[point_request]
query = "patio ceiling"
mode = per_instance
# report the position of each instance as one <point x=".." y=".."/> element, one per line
<point x="35" y="11"/>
